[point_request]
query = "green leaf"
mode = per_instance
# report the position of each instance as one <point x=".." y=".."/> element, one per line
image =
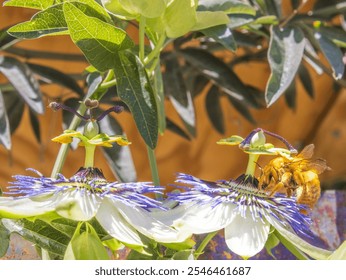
<point x="47" y="22"/>
<point x="176" y="129"/>
<point x="285" y="53"/>
<point x="141" y="7"/>
<point x="5" y="132"/>
<point x="119" y="157"/>
<point x="87" y="245"/>
<point x="227" y="6"/>
<point x="217" y="71"/>
<point x="339" y="253"/>
<point x="232" y="141"/>
<point x="183" y="255"/>
<point x="271" y="243"/>
<point x="187" y="244"/>
<point x="214" y="109"/>
<point x="33" y="4"/>
<point x="332" y="53"/>
<point x="179" y="18"/>
<point x="241" y="108"/>
<point x="209" y="19"/>
<point x="14" y="108"/>
<point x="306" y="80"/>
<point x="221" y="34"/>
<point x="330" y="11"/>
<point x="273" y="7"/>
<point x="23" y="80"/>
<point x="335" y="34"/>
<point x="35" y="125"/>
<point x="4" y="240"/>
<point x="135" y="90"/>
<point x="291" y="96"/>
<point x="64" y="225"/>
<point x="179" y="96"/>
<point x="98" y="40"/>
<point x="39" y="233"/>
<point x="52" y="75"/>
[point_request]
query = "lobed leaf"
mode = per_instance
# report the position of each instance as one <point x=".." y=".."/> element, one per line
<point x="33" y="4"/>
<point x="50" y="21"/>
<point x="134" y="88"/>
<point x="285" y="53"/>
<point x="179" y="18"/>
<point x="98" y="40"/>
<point x="227" y="6"/>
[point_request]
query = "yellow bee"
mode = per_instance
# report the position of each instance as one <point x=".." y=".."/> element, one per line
<point x="296" y="176"/>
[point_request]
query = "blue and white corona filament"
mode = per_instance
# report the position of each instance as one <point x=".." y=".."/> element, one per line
<point x="237" y="206"/>
<point x="122" y="209"/>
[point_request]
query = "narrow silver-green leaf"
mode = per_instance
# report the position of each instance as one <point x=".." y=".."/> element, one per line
<point x="98" y="40"/>
<point x="221" y="34"/>
<point x="5" y="133"/>
<point x="14" y="108"/>
<point x="135" y="90"/>
<point x="52" y="75"/>
<point x="23" y="80"/>
<point x="285" y="53"/>
<point x="219" y="73"/>
<point x="214" y="109"/>
<point x="179" y="95"/>
<point x="119" y="157"/>
<point x="333" y="54"/>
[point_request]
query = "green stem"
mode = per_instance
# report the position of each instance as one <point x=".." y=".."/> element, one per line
<point x="60" y="159"/>
<point x="107" y="85"/>
<point x="156" y="51"/>
<point x="204" y="243"/>
<point x="153" y="166"/>
<point x="251" y="165"/>
<point x="89" y="156"/>
<point x="151" y="154"/>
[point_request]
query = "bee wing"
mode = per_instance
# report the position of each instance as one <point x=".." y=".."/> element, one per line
<point x="307" y="152"/>
<point x="319" y="165"/>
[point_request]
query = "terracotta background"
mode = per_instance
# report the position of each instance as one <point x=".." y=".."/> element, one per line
<point x="321" y="121"/>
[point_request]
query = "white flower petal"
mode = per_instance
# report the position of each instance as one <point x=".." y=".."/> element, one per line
<point x="146" y="224"/>
<point x="78" y="205"/>
<point x="246" y="237"/>
<point x="203" y="218"/>
<point x="113" y="222"/>
<point x="15" y="208"/>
